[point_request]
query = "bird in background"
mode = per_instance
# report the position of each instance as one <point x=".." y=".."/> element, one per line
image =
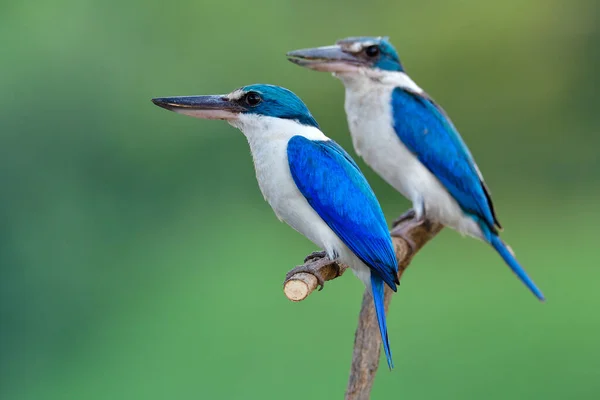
<point x="409" y="140"/>
<point x="309" y="180"/>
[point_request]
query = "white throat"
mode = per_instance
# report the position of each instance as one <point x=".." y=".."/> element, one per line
<point x="368" y="77"/>
<point x="260" y="128"/>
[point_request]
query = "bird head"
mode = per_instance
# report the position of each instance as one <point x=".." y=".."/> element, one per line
<point x="248" y="103"/>
<point x="350" y="56"/>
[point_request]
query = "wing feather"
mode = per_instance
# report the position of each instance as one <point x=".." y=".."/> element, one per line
<point x="336" y="189"/>
<point x="427" y="131"/>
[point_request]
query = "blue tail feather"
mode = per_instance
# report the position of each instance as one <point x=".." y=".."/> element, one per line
<point x="377" y="285"/>
<point x="514" y="265"/>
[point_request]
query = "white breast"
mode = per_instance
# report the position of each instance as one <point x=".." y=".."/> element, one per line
<point x="268" y="139"/>
<point x="369" y="114"/>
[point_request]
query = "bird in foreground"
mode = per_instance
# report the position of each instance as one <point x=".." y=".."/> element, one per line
<point x="409" y="140"/>
<point x="309" y="180"/>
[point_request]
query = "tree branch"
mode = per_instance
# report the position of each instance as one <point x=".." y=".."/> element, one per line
<point x="409" y="236"/>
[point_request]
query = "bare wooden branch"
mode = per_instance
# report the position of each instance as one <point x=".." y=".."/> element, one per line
<point x="409" y="237"/>
<point x="367" y="340"/>
<point x="304" y="279"/>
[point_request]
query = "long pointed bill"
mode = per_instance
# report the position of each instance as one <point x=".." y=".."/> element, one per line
<point x="326" y="58"/>
<point x="205" y="107"/>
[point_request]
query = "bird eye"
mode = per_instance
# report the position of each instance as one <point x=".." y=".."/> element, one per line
<point x="372" y="51"/>
<point x="253" y="99"/>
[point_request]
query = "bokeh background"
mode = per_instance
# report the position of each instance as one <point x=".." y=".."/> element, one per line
<point x="139" y="261"/>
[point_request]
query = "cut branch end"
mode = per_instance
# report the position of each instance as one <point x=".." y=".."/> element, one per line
<point x="409" y="236"/>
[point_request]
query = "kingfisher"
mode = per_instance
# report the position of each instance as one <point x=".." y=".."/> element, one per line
<point x="410" y="141"/>
<point x="309" y="181"/>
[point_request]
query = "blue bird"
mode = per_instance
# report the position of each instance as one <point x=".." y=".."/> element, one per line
<point x="410" y="141"/>
<point x="309" y="180"/>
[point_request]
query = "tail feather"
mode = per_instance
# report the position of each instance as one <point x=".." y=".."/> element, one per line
<point x="514" y="265"/>
<point x="377" y="285"/>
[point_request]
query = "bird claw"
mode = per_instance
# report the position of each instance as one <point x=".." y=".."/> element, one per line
<point x="315" y="255"/>
<point x="410" y="214"/>
<point x="312" y="263"/>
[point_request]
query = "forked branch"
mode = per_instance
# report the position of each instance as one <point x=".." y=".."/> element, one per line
<point x="409" y="236"/>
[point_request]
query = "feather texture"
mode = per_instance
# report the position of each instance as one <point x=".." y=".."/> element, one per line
<point x="510" y="260"/>
<point x="336" y="189"/>
<point x="378" y="296"/>
<point x="426" y="130"/>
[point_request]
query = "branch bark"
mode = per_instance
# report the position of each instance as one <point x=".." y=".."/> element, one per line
<point x="409" y="236"/>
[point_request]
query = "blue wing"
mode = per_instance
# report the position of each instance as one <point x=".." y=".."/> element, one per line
<point x="427" y="131"/>
<point x="336" y="189"/>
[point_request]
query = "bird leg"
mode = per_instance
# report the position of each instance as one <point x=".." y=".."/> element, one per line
<point x="404" y="231"/>
<point x="403" y="226"/>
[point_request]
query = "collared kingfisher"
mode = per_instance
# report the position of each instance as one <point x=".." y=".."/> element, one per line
<point x="309" y="180"/>
<point x="409" y="140"/>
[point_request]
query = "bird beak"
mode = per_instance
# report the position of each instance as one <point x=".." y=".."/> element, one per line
<point x="205" y="107"/>
<point x="326" y="58"/>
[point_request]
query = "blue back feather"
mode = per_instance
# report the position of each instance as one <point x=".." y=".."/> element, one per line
<point x="427" y="131"/>
<point x="336" y="189"/>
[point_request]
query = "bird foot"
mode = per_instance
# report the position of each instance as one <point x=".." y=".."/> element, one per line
<point x="404" y="231"/>
<point x="315" y="255"/>
<point x="314" y="262"/>
<point x="409" y="214"/>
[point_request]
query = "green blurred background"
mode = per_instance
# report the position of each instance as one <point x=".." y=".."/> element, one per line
<point x="139" y="260"/>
